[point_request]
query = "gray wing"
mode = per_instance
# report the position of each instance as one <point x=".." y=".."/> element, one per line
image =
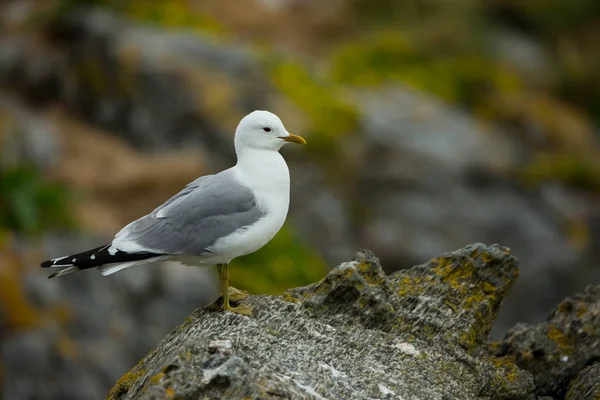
<point x="207" y="209"/>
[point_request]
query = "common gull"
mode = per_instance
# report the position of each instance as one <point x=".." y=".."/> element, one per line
<point x="214" y="219"/>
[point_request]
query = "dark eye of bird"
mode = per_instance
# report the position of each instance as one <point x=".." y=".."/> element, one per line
<point x="267" y="129"/>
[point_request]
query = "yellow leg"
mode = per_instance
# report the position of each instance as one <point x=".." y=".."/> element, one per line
<point x="237" y="295"/>
<point x="224" y="279"/>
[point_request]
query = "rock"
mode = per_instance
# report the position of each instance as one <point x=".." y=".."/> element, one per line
<point x="358" y="333"/>
<point x="586" y="386"/>
<point x="26" y="137"/>
<point x="556" y="350"/>
<point x="158" y="89"/>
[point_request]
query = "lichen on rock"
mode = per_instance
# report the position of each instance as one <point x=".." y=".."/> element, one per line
<point x="556" y="350"/>
<point x="455" y="297"/>
<point x="586" y="386"/>
<point x="357" y="333"/>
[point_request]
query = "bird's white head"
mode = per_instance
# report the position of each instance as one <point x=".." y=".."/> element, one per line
<point x="262" y="130"/>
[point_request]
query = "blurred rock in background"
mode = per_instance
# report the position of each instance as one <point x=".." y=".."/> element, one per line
<point x="430" y="126"/>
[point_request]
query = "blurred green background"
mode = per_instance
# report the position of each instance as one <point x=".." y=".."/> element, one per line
<point x="431" y="124"/>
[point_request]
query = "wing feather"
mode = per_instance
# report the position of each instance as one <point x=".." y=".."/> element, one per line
<point x="207" y="209"/>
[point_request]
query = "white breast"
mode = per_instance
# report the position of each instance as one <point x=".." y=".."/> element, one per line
<point x="269" y="179"/>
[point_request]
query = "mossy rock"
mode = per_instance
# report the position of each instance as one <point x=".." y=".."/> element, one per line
<point x="345" y="337"/>
<point x="556" y="350"/>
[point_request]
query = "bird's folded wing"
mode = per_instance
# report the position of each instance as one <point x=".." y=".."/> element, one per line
<point x="209" y="208"/>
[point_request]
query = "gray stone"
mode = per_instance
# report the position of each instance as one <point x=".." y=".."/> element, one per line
<point x="556" y="350"/>
<point x="586" y="386"/>
<point x="27" y="137"/>
<point x="357" y="334"/>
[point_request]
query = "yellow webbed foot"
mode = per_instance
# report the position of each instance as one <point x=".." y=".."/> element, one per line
<point x="236" y="295"/>
<point x="241" y="309"/>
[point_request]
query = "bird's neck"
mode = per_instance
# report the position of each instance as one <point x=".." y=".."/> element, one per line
<point x="266" y="169"/>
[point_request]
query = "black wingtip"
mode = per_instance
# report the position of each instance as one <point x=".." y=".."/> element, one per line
<point x="46" y="264"/>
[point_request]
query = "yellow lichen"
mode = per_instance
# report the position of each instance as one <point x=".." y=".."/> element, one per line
<point x="369" y="274"/>
<point x="581" y="310"/>
<point x="410" y="286"/>
<point x="509" y="370"/>
<point x="125" y="383"/>
<point x="486" y="257"/>
<point x="560" y="338"/>
<point x="170" y="393"/>
<point x="451" y="305"/>
<point x="454" y="275"/>
<point x="488" y="287"/>
<point x="289" y="298"/>
<point x="157" y="378"/>
<point x="474" y="300"/>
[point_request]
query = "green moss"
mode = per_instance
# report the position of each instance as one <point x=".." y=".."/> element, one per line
<point x="29" y="204"/>
<point x="285" y="262"/>
<point x="393" y="55"/>
<point x="169" y="14"/>
<point x="165" y="13"/>
<point x="571" y="169"/>
<point x="331" y="117"/>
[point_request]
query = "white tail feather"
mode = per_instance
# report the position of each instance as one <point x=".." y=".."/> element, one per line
<point x="66" y="270"/>
<point x="110" y="269"/>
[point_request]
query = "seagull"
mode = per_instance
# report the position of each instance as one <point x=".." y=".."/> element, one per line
<point x="214" y="219"/>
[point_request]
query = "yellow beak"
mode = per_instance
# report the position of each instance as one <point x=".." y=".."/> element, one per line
<point x="293" y="139"/>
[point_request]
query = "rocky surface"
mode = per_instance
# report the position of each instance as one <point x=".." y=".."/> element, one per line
<point x="586" y="386"/>
<point x="556" y="350"/>
<point x="357" y="334"/>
